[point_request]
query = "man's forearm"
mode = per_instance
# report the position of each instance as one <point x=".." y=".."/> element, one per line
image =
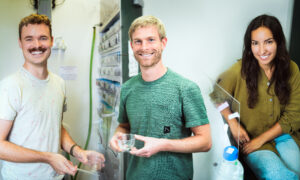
<point x="14" y="153"/>
<point x="123" y="128"/>
<point x="187" y="145"/>
<point x="271" y="134"/>
<point x="200" y="142"/>
<point x="66" y="140"/>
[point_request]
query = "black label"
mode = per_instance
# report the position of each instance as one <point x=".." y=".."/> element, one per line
<point x="167" y="129"/>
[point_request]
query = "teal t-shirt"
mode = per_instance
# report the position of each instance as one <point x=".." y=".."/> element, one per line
<point x="165" y="108"/>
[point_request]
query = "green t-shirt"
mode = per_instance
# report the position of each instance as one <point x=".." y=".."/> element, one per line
<point x="164" y="108"/>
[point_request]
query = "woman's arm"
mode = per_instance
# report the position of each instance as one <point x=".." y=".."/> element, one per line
<point x="260" y="140"/>
<point x="290" y="117"/>
<point x="239" y="133"/>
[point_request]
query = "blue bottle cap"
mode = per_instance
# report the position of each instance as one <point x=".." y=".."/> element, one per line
<point x="230" y="153"/>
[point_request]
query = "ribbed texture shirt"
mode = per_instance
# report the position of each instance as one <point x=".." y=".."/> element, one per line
<point x="165" y="108"/>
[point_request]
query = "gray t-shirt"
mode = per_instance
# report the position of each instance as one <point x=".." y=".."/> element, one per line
<point x="36" y="107"/>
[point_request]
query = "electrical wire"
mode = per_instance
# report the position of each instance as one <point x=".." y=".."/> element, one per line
<point x="91" y="96"/>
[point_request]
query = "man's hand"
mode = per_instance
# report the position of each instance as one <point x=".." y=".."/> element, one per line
<point x="151" y="146"/>
<point x="61" y="165"/>
<point x="114" y="142"/>
<point x="123" y="128"/>
<point x="91" y="158"/>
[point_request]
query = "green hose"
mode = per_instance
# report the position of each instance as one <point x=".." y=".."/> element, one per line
<point x="91" y="97"/>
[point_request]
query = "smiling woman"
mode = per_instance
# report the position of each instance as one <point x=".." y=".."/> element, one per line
<point x="264" y="48"/>
<point x="267" y="83"/>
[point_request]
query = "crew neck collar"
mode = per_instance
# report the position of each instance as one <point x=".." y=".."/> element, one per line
<point x="155" y="81"/>
<point x="32" y="77"/>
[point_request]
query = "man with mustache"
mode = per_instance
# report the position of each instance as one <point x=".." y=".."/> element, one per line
<point x="32" y="103"/>
<point x="162" y="109"/>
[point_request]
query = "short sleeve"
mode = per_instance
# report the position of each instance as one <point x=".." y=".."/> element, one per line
<point x="9" y="100"/>
<point x="194" y="111"/>
<point x="122" y="109"/>
<point x="225" y="84"/>
<point x="65" y="107"/>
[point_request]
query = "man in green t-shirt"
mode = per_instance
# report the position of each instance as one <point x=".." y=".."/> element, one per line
<point x="162" y="109"/>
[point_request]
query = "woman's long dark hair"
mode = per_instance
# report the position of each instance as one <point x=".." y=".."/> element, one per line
<point x="281" y="62"/>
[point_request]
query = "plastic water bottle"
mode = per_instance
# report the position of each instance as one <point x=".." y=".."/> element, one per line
<point x="230" y="168"/>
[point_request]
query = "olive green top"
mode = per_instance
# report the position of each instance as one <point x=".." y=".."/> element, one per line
<point x="268" y="109"/>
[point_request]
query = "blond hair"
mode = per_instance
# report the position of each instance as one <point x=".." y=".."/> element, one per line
<point x="144" y="21"/>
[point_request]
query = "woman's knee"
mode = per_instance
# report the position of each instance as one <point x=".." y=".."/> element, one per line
<point x="267" y="165"/>
<point x="275" y="174"/>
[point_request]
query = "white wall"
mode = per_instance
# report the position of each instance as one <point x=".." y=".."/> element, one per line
<point x="11" y="12"/>
<point x="72" y="20"/>
<point x="10" y="56"/>
<point x="205" y="38"/>
<point x="206" y="35"/>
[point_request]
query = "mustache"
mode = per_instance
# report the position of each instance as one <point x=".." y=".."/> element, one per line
<point x="37" y="49"/>
<point x="146" y="51"/>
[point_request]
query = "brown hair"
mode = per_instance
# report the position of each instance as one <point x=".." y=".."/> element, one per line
<point x="35" y="19"/>
<point x="281" y="62"/>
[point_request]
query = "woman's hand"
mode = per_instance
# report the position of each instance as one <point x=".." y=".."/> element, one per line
<point x="239" y="133"/>
<point x="253" y="145"/>
<point x="265" y="137"/>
